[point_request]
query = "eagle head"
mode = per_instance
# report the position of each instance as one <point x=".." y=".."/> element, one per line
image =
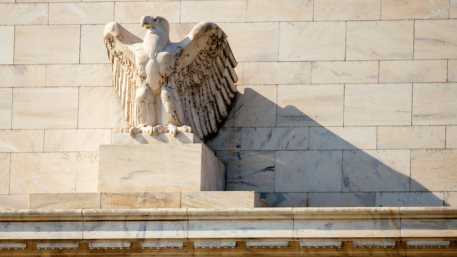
<point x="156" y="24"/>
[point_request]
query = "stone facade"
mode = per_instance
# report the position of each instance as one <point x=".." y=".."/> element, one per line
<point x="342" y="102"/>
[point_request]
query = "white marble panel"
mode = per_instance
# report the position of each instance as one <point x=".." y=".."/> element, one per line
<point x="5" y="159"/>
<point x="286" y="138"/>
<point x="22" y="75"/>
<point x="21" y="140"/>
<point x="240" y="229"/>
<point x="41" y="230"/>
<point x="443" y="228"/>
<point x="409" y="199"/>
<point x="325" y="138"/>
<point x="134" y="229"/>
<point x="6" y="44"/>
<point x="6" y="105"/>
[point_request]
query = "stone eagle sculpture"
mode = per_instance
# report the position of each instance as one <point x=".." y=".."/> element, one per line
<point x="194" y="79"/>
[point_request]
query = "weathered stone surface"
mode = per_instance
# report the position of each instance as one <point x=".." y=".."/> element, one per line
<point x="64" y="201"/>
<point x="152" y="168"/>
<point x="75" y="139"/>
<point x="451" y="137"/>
<point x="51" y="44"/>
<point x="223" y="199"/>
<point x="134" y="229"/>
<point x="240" y="228"/>
<point x="435" y="39"/>
<point x="22" y="75"/>
<point x="434" y="170"/>
<point x="284" y="199"/>
<point x="375" y="40"/>
<point x="86" y="172"/>
<point x="344" y="72"/>
<point x="327" y="138"/>
<point x="24" y="14"/>
<point x="130" y="12"/>
<point x="426" y="111"/>
<point x="21" y="140"/>
<point x="431" y="228"/>
<point x="140" y="200"/>
<point x="324" y="41"/>
<point x="92" y="47"/>
<point x="45" y="108"/>
<point x="452" y="70"/>
<point x="249" y="170"/>
<point x="413" y="71"/>
<point x="304" y="105"/>
<point x="13" y="202"/>
<point x="308" y="171"/>
<point x="425" y="9"/>
<point x="377" y="104"/>
<point x="453" y="6"/>
<point x="450" y="199"/>
<point x="286" y="138"/>
<point x="6" y="44"/>
<point x="346" y="9"/>
<point x="341" y="199"/>
<point x="280" y="10"/>
<point x="381" y="170"/>
<point x="409" y="199"/>
<point x="275" y="73"/>
<point x="6" y="104"/>
<point x="81" y="13"/>
<point x="411" y="137"/>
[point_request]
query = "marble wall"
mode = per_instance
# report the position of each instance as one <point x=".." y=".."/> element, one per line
<point x="342" y="102"/>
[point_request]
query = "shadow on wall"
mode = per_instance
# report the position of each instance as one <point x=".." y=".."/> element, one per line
<point x="292" y="160"/>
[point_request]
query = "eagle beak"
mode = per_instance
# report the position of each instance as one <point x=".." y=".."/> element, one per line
<point x="147" y="22"/>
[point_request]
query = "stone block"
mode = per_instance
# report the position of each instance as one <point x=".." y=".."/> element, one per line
<point x="328" y="138"/>
<point x="24" y="14"/>
<point x="379" y="40"/>
<point x="99" y="107"/>
<point x="344" y="72"/>
<point x="45" y="108"/>
<point x="71" y="140"/>
<point x="247" y="40"/>
<point x="86" y="172"/>
<point x="372" y="228"/>
<point x="41" y="230"/>
<point x="411" y="137"/>
<point x="226" y="139"/>
<point x="284" y="199"/>
<point x="450" y="199"/>
<point x="5" y="159"/>
<point x="21" y="140"/>
<point x="453" y="6"/>
<point x="127" y="139"/>
<point x="240" y="229"/>
<point x="341" y="199"/>
<point x="413" y="71"/>
<point x="82" y="75"/>
<point x="6" y="44"/>
<point x="434" y="170"/>
<point x="276" y="73"/>
<point x="377" y="104"/>
<point x="443" y="228"/>
<point x="22" y="75"/>
<point x="223" y="199"/>
<point x="249" y="170"/>
<point x="435" y="39"/>
<point x="451" y="137"/>
<point x="346" y="10"/>
<point x="43" y="173"/>
<point x="140" y="200"/>
<point x="409" y="199"/>
<point x="302" y="105"/>
<point x="424" y="9"/>
<point x="157" y="168"/>
<point x="51" y="44"/>
<point x="255" y="107"/>
<point x="81" y="13"/>
<point x="216" y="11"/>
<point x="13" y="202"/>
<point x="324" y="41"/>
<point x="134" y="230"/>
<point x="130" y="12"/>
<point x="434" y="104"/>
<point x="381" y="170"/>
<point x="308" y="171"/>
<point x="64" y="201"/>
<point x="286" y="138"/>
<point x="279" y="10"/>
<point x="93" y="49"/>
<point x="452" y="70"/>
<point x="6" y="105"/>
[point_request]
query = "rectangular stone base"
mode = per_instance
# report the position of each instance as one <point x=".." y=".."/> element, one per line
<point x="225" y="199"/>
<point x="159" y="168"/>
<point x="180" y="138"/>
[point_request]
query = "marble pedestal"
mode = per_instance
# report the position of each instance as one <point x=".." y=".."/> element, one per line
<point x="159" y="168"/>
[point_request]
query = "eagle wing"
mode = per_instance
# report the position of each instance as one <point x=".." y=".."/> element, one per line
<point x="121" y="46"/>
<point x="204" y="78"/>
